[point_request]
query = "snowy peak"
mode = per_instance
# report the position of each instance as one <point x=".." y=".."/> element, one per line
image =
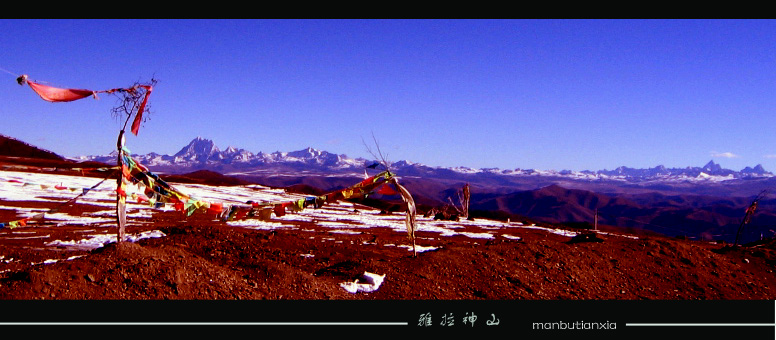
<point x="236" y="155"/>
<point x="306" y="153"/>
<point x="309" y="154"/>
<point x="199" y="150"/>
<point x="758" y="170"/>
<point x="712" y="168"/>
<point x="314" y="156"/>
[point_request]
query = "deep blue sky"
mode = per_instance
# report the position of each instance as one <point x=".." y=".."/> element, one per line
<point x="542" y="94"/>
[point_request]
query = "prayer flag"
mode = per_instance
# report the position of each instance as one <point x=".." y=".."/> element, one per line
<point x="139" y="115"/>
<point x="280" y="209"/>
<point x="265" y="214"/>
<point x="385" y="189"/>
<point x="53" y="94"/>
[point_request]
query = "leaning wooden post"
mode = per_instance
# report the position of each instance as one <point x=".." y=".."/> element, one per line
<point x="749" y="213"/>
<point x="121" y="198"/>
<point x="410" y="213"/>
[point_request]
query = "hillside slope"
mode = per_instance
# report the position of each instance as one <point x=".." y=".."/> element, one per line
<point x="197" y="260"/>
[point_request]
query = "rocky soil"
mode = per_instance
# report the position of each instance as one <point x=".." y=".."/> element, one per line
<point x="201" y="259"/>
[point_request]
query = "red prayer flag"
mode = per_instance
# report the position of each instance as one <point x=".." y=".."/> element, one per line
<point x="367" y="181"/>
<point x="385" y="189"/>
<point x="139" y="116"/>
<point x="215" y="208"/>
<point x="241" y="213"/>
<point x="53" y="94"/>
<point x="280" y="209"/>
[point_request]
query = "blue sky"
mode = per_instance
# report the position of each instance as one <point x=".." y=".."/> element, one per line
<point x="541" y="94"/>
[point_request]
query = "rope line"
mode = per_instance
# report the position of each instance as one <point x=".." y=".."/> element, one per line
<point x="9" y="72"/>
<point x="70" y="201"/>
<point x="83" y="193"/>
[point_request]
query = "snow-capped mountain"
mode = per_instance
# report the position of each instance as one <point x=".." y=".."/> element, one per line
<point x="202" y="153"/>
<point x="711" y="170"/>
<point x="200" y="150"/>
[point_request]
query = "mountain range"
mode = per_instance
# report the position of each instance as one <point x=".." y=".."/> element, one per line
<point x="328" y="171"/>
<point x="202" y="153"/>
<point x="706" y="202"/>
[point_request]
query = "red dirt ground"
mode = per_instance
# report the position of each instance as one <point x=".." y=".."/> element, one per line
<point x="202" y="259"/>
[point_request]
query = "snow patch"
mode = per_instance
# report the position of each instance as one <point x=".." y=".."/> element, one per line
<point x="369" y="282"/>
<point x="98" y="241"/>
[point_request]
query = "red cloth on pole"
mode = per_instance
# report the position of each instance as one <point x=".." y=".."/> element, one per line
<point x="53" y="94"/>
<point x="280" y="209"/>
<point x="139" y="116"/>
<point x="387" y="190"/>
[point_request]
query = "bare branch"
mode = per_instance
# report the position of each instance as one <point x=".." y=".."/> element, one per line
<point x="129" y="100"/>
<point x="379" y="156"/>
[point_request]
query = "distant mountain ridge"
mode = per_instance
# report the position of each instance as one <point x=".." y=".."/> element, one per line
<point x="710" y="169"/>
<point x="202" y="153"/>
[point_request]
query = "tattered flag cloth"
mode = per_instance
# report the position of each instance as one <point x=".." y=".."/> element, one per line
<point x="385" y="189"/>
<point x="139" y="115"/>
<point x="55" y="94"/>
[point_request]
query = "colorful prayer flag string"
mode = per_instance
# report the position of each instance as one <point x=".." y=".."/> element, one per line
<point x="157" y="188"/>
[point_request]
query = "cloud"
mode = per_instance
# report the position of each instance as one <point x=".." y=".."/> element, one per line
<point x="770" y="156"/>
<point x="723" y="155"/>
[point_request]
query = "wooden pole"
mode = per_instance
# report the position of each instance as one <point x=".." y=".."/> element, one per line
<point x="121" y="198"/>
<point x="748" y="215"/>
